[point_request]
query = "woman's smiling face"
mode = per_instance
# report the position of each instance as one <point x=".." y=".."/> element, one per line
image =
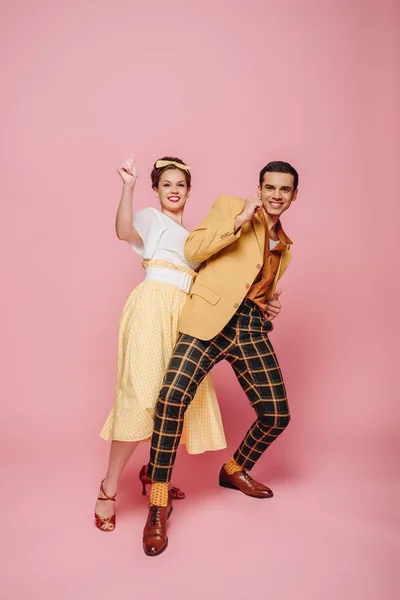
<point x="172" y="190"/>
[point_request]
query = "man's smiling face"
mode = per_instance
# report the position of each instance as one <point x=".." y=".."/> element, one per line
<point x="277" y="192"/>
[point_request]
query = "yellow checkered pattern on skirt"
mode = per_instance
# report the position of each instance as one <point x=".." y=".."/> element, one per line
<point x="148" y="330"/>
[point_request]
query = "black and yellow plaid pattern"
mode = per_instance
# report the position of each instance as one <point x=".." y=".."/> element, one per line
<point x="244" y="343"/>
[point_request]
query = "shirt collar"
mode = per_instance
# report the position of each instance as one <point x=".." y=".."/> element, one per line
<point x="282" y="235"/>
<point x="283" y="238"/>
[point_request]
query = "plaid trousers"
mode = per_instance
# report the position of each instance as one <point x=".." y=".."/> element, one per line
<point x="244" y="343"/>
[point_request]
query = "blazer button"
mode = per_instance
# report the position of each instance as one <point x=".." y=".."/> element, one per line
<point x="236" y="305"/>
<point x="247" y="286"/>
<point x="258" y="266"/>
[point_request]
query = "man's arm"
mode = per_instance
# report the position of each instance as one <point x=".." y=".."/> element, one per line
<point x="219" y="229"/>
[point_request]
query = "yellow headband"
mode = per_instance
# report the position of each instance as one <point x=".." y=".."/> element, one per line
<point x="165" y="163"/>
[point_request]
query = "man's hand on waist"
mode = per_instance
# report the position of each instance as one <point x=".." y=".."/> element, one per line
<point x="274" y="306"/>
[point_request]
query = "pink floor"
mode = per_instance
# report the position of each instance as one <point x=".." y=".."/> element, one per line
<point x="323" y="537"/>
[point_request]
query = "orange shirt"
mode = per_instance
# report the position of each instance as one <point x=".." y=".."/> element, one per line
<point x="259" y="293"/>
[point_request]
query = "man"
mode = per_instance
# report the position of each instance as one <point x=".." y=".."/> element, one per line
<point x="244" y="252"/>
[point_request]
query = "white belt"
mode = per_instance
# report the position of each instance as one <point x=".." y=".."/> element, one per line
<point x="182" y="280"/>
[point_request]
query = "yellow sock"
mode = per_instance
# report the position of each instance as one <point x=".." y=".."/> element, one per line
<point x="159" y="494"/>
<point x="232" y="467"/>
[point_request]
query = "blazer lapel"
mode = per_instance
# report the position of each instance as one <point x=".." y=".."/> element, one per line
<point x="259" y="230"/>
<point x="283" y="265"/>
<point x="286" y="257"/>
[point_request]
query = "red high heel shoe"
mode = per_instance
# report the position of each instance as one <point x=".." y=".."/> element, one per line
<point x="176" y="493"/>
<point x="105" y="523"/>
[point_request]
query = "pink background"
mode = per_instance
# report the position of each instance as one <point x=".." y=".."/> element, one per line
<point x="227" y="86"/>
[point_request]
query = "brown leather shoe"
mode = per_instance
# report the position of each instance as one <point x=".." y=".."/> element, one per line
<point x="244" y="483"/>
<point x="155" y="538"/>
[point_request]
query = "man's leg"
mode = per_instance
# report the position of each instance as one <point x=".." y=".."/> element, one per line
<point x="256" y="367"/>
<point x="260" y="376"/>
<point x="190" y="362"/>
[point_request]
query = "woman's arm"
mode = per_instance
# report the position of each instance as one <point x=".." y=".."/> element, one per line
<point x="124" y="220"/>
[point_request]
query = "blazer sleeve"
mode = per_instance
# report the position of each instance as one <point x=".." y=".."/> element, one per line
<point x="215" y="232"/>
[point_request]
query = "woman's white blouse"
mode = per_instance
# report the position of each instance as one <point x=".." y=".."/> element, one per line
<point x="162" y="238"/>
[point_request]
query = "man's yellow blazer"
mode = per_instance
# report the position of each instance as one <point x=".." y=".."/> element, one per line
<point x="231" y="262"/>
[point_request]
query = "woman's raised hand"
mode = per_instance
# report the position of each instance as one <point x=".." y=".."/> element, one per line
<point x="128" y="171"/>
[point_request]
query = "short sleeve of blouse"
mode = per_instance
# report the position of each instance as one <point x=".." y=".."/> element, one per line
<point x="146" y="224"/>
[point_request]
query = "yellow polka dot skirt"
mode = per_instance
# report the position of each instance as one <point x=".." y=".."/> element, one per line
<point x="148" y="331"/>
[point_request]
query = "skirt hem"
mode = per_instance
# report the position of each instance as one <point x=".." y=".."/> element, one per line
<point x="183" y="443"/>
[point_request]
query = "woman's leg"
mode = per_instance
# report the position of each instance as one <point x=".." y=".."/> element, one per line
<point x="120" y="453"/>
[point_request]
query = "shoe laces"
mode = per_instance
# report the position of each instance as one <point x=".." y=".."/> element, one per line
<point x="155" y="516"/>
<point x="247" y="477"/>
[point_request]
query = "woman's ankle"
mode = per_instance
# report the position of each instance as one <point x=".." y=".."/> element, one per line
<point x="110" y="486"/>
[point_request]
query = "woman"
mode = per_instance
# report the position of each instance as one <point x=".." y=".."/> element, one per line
<point x="149" y="329"/>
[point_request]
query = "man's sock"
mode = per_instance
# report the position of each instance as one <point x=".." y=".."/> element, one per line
<point x="159" y="494"/>
<point x="232" y="467"/>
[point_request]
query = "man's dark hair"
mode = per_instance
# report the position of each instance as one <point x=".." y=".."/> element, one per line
<point x="279" y="166"/>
